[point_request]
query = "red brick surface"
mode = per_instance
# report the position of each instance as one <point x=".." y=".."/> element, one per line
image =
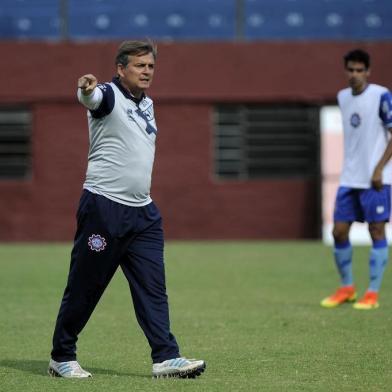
<point x="190" y="79"/>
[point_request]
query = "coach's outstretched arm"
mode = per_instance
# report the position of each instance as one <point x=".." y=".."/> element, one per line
<point x="88" y="94"/>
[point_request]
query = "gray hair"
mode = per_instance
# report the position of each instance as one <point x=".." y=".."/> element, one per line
<point x="134" y="48"/>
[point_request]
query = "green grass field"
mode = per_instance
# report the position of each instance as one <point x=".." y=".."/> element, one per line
<point x="250" y="309"/>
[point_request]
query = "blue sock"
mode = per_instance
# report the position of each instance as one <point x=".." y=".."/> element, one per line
<point x="343" y="252"/>
<point x="378" y="259"/>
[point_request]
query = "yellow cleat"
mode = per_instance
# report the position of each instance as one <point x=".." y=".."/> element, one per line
<point x="341" y="295"/>
<point x="368" y="302"/>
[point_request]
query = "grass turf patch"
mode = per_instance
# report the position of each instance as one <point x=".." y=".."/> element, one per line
<point x="250" y="309"/>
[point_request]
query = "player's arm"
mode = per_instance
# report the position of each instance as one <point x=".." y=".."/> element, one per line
<point x="386" y="117"/>
<point x="88" y="95"/>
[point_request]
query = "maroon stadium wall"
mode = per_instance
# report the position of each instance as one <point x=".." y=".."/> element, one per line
<point x="190" y="79"/>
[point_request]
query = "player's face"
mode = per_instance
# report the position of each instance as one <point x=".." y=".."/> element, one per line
<point x="137" y="75"/>
<point x="357" y="75"/>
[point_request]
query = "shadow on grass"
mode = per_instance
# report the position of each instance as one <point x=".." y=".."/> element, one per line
<point x="38" y="367"/>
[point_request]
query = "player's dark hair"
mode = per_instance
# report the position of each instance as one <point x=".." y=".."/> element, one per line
<point x="134" y="48"/>
<point x="358" y="56"/>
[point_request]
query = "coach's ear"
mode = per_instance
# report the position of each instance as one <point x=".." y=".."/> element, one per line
<point x="120" y="70"/>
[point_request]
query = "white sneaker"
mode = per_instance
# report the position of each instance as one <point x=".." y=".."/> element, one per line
<point x="68" y="369"/>
<point x="178" y="367"/>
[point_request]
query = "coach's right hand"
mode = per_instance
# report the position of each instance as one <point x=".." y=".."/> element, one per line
<point x="87" y="83"/>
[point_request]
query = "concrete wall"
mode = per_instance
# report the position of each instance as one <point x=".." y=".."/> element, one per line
<point x="190" y="79"/>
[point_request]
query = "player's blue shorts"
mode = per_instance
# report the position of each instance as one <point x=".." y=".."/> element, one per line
<point x="362" y="205"/>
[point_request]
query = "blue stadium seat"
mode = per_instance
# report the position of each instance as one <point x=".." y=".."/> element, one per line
<point x="168" y="19"/>
<point x="198" y="19"/>
<point x="33" y="19"/>
<point x="318" y="19"/>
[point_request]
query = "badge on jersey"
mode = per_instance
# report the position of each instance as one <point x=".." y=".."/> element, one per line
<point x="149" y="128"/>
<point x="355" y="120"/>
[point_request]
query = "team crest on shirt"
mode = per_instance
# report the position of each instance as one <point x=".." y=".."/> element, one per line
<point x="97" y="243"/>
<point x="149" y="113"/>
<point x="355" y="120"/>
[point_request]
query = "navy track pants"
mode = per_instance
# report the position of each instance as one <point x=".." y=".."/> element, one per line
<point x="109" y="235"/>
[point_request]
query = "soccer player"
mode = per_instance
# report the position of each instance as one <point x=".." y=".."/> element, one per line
<point x="364" y="193"/>
<point x="118" y="224"/>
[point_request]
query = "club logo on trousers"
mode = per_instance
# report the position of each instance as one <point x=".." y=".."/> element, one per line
<point x="96" y="243"/>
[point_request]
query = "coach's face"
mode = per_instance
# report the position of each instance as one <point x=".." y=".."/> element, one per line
<point x="357" y="75"/>
<point x="137" y="75"/>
